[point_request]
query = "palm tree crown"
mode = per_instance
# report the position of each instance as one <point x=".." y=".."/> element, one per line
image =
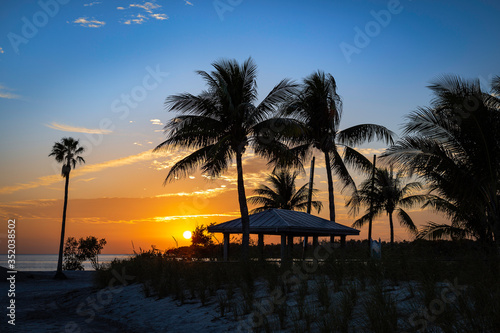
<point x="387" y="193"/>
<point x="283" y="194"/>
<point x="221" y="122"/>
<point x="455" y="146"/>
<point x="318" y="109"/>
<point x="66" y="151"/>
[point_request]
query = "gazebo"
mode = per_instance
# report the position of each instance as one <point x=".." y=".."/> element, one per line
<point x="286" y="223"/>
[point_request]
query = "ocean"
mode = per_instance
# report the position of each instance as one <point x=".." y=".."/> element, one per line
<point x="48" y="262"/>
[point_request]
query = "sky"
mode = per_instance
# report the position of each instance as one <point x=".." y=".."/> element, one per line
<point x="100" y="72"/>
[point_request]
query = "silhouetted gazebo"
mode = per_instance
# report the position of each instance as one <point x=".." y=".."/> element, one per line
<point x="286" y="223"/>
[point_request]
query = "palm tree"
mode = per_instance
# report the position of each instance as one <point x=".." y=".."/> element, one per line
<point x="221" y="122"/>
<point x="318" y="109"/>
<point x="66" y="151"/>
<point x="387" y="193"/>
<point x="283" y="194"/>
<point x="455" y="146"/>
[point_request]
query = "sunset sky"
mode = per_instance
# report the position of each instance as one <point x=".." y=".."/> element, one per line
<point x="100" y="72"/>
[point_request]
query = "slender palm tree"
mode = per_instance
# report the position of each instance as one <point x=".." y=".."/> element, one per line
<point x="318" y="109"/>
<point x="283" y="194"/>
<point x="221" y="122"/>
<point x="455" y="146"/>
<point x="387" y="193"/>
<point x="66" y="151"/>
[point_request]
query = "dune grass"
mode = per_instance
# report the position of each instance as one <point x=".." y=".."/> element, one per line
<point x="433" y="286"/>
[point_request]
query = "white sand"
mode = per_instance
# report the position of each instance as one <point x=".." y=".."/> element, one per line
<point x="74" y="305"/>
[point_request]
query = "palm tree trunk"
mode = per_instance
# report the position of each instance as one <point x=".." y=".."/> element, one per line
<point x="245" y="220"/>
<point x="392" y="228"/>
<point x="330" y="186"/>
<point x="59" y="273"/>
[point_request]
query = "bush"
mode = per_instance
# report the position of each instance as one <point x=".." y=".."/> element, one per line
<point x="77" y="251"/>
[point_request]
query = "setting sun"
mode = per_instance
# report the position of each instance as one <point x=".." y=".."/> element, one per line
<point x="187" y="234"/>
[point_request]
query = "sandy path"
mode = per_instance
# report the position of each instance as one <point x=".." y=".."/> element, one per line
<point x="75" y="306"/>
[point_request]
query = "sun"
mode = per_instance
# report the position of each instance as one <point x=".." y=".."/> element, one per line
<point x="187" y="234"/>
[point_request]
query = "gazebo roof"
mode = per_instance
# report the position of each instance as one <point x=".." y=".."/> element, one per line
<point x="280" y="221"/>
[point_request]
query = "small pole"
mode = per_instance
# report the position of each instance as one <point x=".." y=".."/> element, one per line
<point x="311" y="180"/>
<point x="309" y="204"/>
<point x="371" y="205"/>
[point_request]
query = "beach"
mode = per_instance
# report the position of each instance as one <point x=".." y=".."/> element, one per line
<point x="75" y="305"/>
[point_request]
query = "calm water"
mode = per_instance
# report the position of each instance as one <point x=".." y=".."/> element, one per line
<point x="48" y="262"/>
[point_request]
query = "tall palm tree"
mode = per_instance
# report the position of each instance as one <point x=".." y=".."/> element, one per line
<point x="455" y="146"/>
<point x="66" y="151"/>
<point x="221" y="122"/>
<point x="387" y="193"/>
<point x="318" y="109"/>
<point x="283" y="194"/>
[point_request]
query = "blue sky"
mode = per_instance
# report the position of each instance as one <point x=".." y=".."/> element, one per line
<point x="69" y="77"/>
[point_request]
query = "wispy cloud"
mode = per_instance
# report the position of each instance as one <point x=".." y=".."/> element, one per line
<point x="92" y="23"/>
<point x="136" y="19"/>
<point x="209" y="193"/>
<point x="188" y="3"/>
<point x="156" y="122"/>
<point x="49" y="180"/>
<point x="5" y="92"/>
<point x="1" y="50"/>
<point x="147" y="6"/>
<point x="69" y="128"/>
<point x="92" y="3"/>
<point x="150" y="8"/>
<point x="185" y="217"/>
<point x="160" y="16"/>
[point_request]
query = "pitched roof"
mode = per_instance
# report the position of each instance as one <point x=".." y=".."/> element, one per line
<point x="280" y="221"/>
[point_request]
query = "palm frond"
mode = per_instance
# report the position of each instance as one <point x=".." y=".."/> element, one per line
<point x="406" y="221"/>
<point x="359" y="134"/>
<point x="435" y="231"/>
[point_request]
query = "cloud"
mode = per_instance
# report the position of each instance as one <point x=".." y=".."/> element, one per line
<point x="84" y="22"/>
<point x="4" y="91"/>
<point x="188" y="3"/>
<point x="49" y="180"/>
<point x="209" y="193"/>
<point x="69" y="128"/>
<point x="156" y="122"/>
<point x="92" y="3"/>
<point x="159" y="16"/>
<point x="137" y="19"/>
<point x="1" y="50"/>
<point x="185" y="217"/>
<point x="147" y="6"/>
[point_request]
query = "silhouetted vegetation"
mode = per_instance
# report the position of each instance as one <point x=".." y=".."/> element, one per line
<point x="77" y="251"/>
<point x="345" y="292"/>
<point x="283" y="193"/>
<point x="66" y="151"/>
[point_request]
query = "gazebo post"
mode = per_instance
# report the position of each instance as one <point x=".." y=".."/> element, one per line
<point x="342" y="241"/>
<point x="332" y="239"/>
<point x="261" y="247"/>
<point x="283" y="248"/>
<point x="315" y="242"/>
<point x="226" y="246"/>
<point x="304" y="247"/>
<point x="290" y="247"/>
